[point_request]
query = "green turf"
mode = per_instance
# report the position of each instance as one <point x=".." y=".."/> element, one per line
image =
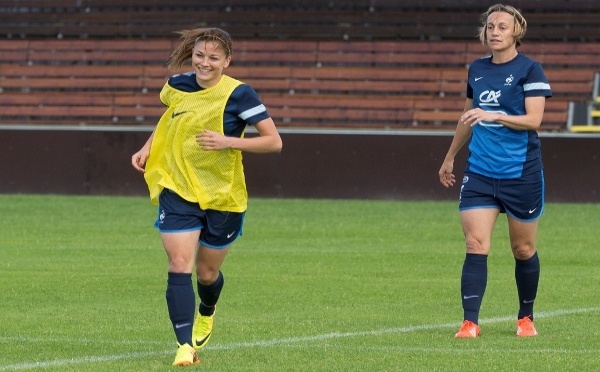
<point x="312" y="285"/>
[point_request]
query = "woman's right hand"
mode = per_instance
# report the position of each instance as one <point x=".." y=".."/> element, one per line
<point x="447" y="178"/>
<point x="138" y="160"/>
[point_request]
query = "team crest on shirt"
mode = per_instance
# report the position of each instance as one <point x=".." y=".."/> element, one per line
<point x="509" y="80"/>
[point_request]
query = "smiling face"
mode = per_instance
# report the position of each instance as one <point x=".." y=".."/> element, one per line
<point x="209" y="59"/>
<point x="499" y="32"/>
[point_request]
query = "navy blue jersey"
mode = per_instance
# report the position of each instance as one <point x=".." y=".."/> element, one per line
<point x="495" y="150"/>
<point x="243" y="107"/>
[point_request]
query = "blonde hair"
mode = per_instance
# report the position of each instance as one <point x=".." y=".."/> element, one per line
<point x="191" y="37"/>
<point x="520" y="22"/>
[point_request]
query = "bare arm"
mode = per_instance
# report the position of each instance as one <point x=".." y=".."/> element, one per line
<point x="268" y="140"/>
<point x="461" y="136"/>
<point x="534" y="108"/>
<point x="138" y="160"/>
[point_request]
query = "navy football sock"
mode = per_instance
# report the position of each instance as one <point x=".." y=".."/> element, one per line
<point x="181" y="304"/>
<point x="527" y="276"/>
<point x="473" y="283"/>
<point x="209" y="295"/>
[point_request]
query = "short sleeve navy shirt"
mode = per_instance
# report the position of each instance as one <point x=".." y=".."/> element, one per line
<point x="495" y="150"/>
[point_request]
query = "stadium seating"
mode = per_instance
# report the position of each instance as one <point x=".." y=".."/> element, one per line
<point x="316" y="83"/>
<point x="372" y="64"/>
<point x="299" y="19"/>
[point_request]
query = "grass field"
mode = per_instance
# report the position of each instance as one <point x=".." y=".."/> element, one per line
<point x="313" y="285"/>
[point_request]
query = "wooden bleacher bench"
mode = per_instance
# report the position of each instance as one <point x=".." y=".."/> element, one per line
<point x="303" y="83"/>
<point x="386" y="64"/>
<point x="450" y="6"/>
<point x="299" y="20"/>
<point x="294" y="53"/>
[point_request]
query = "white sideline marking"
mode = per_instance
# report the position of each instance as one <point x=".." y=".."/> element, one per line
<point x="295" y="340"/>
<point x="78" y="341"/>
<point x="437" y="350"/>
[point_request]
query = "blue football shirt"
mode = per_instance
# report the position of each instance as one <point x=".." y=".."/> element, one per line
<point x="495" y="150"/>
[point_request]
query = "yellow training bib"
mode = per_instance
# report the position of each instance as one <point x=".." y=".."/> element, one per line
<point x="213" y="179"/>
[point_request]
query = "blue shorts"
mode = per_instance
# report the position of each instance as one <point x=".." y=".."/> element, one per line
<point x="521" y="198"/>
<point x="219" y="228"/>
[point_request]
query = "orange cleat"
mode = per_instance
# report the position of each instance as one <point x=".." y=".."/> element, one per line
<point x="525" y="327"/>
<point x="468" y="330"/>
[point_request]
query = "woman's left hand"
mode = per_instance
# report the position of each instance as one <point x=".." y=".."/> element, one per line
<point x="477" y="115"/>
<point x="211" y="141"/>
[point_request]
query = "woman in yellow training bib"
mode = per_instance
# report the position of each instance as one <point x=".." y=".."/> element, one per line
<point x="192" y="164"/>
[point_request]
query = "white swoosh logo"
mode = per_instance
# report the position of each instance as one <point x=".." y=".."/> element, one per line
<point x="469" y="297"/>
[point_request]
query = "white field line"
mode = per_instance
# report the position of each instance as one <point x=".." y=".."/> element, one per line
<point x="437" y="350"/>
<point x="291" y="341"/>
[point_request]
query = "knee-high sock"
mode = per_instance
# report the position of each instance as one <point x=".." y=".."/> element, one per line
<point x="209" y="295"/>
<point x="181" y="304"/>
<point x="527" y="276"/>
<point x="473" y="283"/>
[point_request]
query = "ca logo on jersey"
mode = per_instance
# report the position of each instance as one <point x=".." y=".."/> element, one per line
<point x="489" y="98"/>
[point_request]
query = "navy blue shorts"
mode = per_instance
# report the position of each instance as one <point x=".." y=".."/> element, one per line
<point x="521" y="198"/>
<point x="219" y="228"/>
